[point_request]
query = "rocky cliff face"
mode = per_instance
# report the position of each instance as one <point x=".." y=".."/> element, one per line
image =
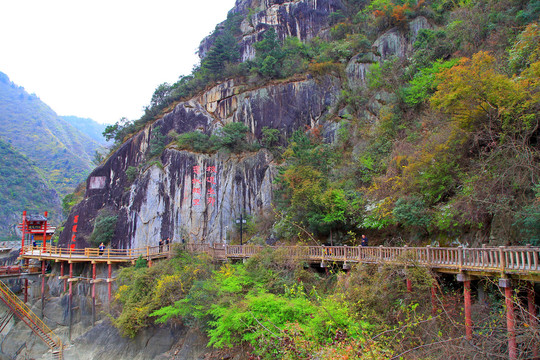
<point x="304" y="19"/>
<point x="199" y="196"/>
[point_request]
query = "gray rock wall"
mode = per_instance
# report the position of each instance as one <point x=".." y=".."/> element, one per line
<point x="163" y="201"/>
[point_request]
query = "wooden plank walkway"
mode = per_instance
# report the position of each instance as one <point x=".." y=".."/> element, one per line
<point x="93" y="255"/>
<point x="520" y="261"/>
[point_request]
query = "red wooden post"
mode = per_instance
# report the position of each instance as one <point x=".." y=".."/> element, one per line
<point x="70" y="276"/>
<point x="42" y="277"/>
<point x="467" y="303"/>
<point x="532" y="316"/>
<point x="70" y="299"/>
<point x="109" y="280"/>
<point x="409" y="285"/>
<point x="23" y="232"/>
<point x="26" y="281"/>
<point x="510" y="318"/>
<point x="62" y="275"/>
<point x="45" y="232"/>
<point x="93" y="293"/>
<point x="93" y="278"/>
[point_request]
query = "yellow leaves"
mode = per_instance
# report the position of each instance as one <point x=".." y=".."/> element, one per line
<point x="480" y="98"/>
<point x="121" y="290"/>
<point x="226" y="270"/>
<point x="169" y="281"/>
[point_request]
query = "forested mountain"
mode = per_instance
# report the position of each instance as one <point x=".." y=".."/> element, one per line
<point x="44" y="156"/>
<point x="89" y="127"/>
<point x="22" y="187"/>
<point x="59" y="150"/>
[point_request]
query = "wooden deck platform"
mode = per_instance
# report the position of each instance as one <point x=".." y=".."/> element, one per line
<point x="520" y="262"/>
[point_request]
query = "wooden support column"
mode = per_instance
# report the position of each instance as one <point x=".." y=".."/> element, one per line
<point x="467" y="302"/>
<point x="510" y="317"/>
<point x="93" y="294"/>
<point x="26" y="280"/>
<point x="62" y="275"/>
<point x="409" y="285"/>
<point x="42" y="286"/>
<point x="110" y="283"/>
<point x="468" y="313"/>
<point x="23" y="230"/>
<point x="533" y="324"/>
<point x="70" y="299"/>
<point x="45" y="233"/>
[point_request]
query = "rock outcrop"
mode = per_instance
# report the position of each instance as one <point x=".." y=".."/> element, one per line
<point x="304" y="19"/>
<point x="198" y="196"/>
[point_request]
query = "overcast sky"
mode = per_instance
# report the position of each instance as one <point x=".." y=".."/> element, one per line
<point x="102" y="59"/>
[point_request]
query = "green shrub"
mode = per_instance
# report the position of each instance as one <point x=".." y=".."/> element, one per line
<point x="131" y="173"/>
<point x="233" y="137"/>
<point x="412" y="212"/>
<point x="104" y="227"/>
<point x="157" y="143"/>
<point x="194" y="141"/>
<point x="425" y="82"/>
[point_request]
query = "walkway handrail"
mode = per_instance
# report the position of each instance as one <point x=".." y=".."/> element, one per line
<point x="148" y="252"/>
<point x="26" y="315"/>
<point x="500" y="259"/>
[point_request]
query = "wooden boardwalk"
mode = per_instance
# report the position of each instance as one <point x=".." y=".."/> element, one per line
<point x="523" y="262"/>
<point x="93" y="255"/>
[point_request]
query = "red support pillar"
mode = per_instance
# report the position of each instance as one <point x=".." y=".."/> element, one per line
<point x="466" y="280"/>
<point x="510" y="318"/>
<point x="23" y="228"/>
<point x="26" y="281"/>
<point x="109" y="282"/>
<point x="94" y="294"/>
<point x="532" y="316"/>
<point x="42" y="278"/>
<point x="70" y="276"/>
<point x="45" y="232"/>
<point x="25" y="291"/>
<point x="468" y="314"/>
<point x="70" y="300"/>
<point x="62" y="275"/>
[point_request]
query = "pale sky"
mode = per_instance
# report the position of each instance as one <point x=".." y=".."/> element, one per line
<point x="102" y="59"/>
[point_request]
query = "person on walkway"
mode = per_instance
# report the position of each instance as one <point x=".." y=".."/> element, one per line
<point x="101" y="248"/>
<point x="364" y="241"/>
<point x="160" y="245"/>
<point x="167" y="244"/>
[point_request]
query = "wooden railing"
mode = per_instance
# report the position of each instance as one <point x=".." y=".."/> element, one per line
<point x="148" y="252"/>
<point x="23" y="312"/>
<point x="499" y="259"/>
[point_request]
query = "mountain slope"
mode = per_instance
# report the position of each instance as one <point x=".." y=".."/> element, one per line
<point x="89" y="127"/>
<point x="22" y="188"/>
<point x="61" y="152"/>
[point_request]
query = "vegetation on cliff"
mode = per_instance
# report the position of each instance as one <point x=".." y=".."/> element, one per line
<point x="439" y="144"/>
